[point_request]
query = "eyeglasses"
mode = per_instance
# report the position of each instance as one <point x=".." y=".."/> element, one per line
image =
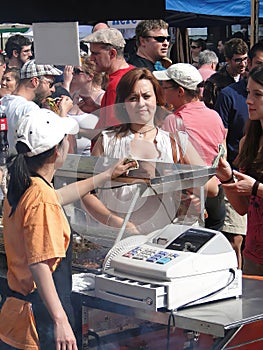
<point x="239" y="60"/>
<point x="167" y="87"/>
<point x="160" y="39"/>
<point x="194" y="47"/>
<point x="50" y="82"/>
<point x="77" y="71"/>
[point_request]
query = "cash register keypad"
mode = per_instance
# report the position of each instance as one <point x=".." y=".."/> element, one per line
<point x="150" y="255"/>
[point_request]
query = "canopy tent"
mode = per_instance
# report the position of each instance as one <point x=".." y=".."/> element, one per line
<point x="203" y="13"/>
<point x="83" y="12"/>
<point x="11" y="28"/>
<point x="178" y="13"/>
<point x="226" y="8"/>
<point x="191" y="13"/>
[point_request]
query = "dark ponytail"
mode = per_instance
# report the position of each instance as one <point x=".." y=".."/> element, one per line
<point x="19" y="180"/>
<point x="20" y="168"/>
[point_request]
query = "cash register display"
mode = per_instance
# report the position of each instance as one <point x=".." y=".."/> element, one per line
<point x="191" y="240"/>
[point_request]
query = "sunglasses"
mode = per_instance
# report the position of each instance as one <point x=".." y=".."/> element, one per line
<point x="77" y="71"/>
<point x="194" y="47"/>
<point x="50" y="83"/>
<point x="160" y="39"/>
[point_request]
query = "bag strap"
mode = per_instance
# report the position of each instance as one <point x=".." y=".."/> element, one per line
<point x="174" y="141"/>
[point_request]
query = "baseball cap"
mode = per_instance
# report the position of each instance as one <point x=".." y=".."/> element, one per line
<point x="30" y="69"/>
<point x="183" y="74"/>
<point x="59" y="91"/>
<point x="110" y="36"/>
<point x="43" y="129"/>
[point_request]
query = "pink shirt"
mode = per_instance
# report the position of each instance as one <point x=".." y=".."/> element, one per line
<point x="203" y="125"/>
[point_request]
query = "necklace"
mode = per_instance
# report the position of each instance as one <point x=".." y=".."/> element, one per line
<point x="141" y="133"/>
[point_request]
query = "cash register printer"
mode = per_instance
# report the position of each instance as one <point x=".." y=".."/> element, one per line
<point x="174" y="267"/>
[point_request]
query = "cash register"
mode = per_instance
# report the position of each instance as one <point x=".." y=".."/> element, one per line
<point x="175" y="267"/>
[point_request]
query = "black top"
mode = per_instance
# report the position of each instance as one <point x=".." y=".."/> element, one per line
<point x="214" y="84"/>
<point x="139" y="61"/>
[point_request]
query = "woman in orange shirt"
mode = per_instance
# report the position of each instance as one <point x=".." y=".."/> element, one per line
<point x="37" y="313"/>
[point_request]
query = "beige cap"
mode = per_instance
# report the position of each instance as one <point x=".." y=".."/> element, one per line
<point x="183" y="74"/>
<point x="110" y="36"/>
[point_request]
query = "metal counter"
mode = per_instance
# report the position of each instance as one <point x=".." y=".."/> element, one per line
<point x="220" y="319"/>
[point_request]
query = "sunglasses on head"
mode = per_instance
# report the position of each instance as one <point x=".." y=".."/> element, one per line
<point x="77" y="71"/>
<point x="194" y="47"/>
<point x="160" y="39"/>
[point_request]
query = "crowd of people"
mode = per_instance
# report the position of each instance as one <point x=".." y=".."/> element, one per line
<point x="137" y="106"/>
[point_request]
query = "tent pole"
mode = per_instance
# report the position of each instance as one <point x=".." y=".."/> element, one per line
<point x="254" y="22"/>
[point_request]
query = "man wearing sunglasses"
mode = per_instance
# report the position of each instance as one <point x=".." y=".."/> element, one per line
<point x="152" y="42"/>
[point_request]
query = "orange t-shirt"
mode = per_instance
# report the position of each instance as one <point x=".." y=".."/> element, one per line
<point x="37" y="231"/>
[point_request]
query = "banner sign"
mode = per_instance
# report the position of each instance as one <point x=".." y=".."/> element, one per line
<point x="124" y="24"/>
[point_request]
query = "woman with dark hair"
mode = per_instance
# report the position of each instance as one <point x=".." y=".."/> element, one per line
<point x="10" y="81"/>
<point x="196" y="47"/>
<point x="139" y="106"/>
<point x="244" y="188"/>
<point x="37" y="313"/>
<point x="125" y="88"/>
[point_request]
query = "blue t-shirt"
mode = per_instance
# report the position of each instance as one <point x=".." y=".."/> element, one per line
<point x="232" y="108"/>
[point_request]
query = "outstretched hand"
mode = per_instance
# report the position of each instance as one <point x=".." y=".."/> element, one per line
<point x="224" y="170"/>
<point x="243" y="185"/>
<point x="122" y="168"/>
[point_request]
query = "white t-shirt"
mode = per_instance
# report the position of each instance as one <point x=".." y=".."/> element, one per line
<point x="149" y="212"/>
<point x="15" y="108"/>
<point x="85" y="121"/>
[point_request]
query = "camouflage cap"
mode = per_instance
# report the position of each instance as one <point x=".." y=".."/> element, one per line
<point x="110" y="36"/>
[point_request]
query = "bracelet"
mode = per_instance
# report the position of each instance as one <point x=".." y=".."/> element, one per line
<point x="229" y="180"/>
<point x="108" y="219"/>
<point x="255" y="188"/>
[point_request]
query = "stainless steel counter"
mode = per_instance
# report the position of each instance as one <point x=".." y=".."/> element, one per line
<point x="215" y="318"/>
<point x="221" y="319"/>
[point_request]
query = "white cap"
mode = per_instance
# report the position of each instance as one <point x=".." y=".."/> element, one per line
<point x="184" y="74"/>
<point x="43" y="129"/>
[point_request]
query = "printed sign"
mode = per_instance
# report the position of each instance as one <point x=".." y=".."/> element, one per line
<point x="124" y="24"/>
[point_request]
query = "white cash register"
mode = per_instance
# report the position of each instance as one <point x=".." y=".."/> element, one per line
<point x="171" y="268"/>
